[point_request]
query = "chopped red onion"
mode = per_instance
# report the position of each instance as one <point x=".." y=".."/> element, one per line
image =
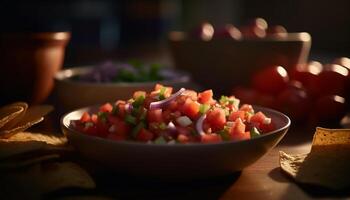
<point x="199" y="125"/>
<point x="160" y="104"/>
<point x="128" y="107"/>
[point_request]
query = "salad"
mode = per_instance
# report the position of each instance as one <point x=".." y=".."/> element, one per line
<point x="133" y="71"/>
<point x="185" y="116"/>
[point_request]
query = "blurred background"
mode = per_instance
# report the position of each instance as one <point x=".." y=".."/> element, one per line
<point x="113" y="29"/>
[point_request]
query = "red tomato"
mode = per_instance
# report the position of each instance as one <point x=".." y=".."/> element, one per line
<point x="190" y="108"/>
<point x="332" y="80"/>
<point x="238" y="131"/>
<point x="168" y="90"/>
<point x="277" y="30"/>
<point x="155" y="115"/>
<point x="191" y="94"/>
<point x="137" y="94"/>
<point x="271" y="80"/>
<point x="256" y="28"/>
<point x="331" y="107"/>
<point x="102" y="129"/>
<point x="144" y="135"/>
<point x="228" y="31"/>
<point x="216" y="118"/>
<point x="265" y="128"/>
<point x="308" y="76"/>
<point x="205" y="97"/>
<point x="247" y="108"/>
<point x="258" y="118"/>
<point x="295" y="102"/>
<point x="246" y="95"/>
<point x="251" y="32"/>
<point x="183" y="138"/>
<point x="94" y="118"/>
<point x="238" y="114"/>
<point x="107" y="107"/>
<point x="211" y="138"/>
<point x="205" y="31"/>
<point x="85" y="117"/>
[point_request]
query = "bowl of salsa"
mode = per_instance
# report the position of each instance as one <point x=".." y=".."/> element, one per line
<point x="168" y="134"/>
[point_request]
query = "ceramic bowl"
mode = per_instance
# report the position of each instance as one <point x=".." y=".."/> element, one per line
<point x="174" y="161"/>
<point x="223" y="63"/>
<point x="72" y="94"/>
<point x="28" y="62"/>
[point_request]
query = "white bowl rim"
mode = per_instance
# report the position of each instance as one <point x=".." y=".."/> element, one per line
<point x="187" y="145"/>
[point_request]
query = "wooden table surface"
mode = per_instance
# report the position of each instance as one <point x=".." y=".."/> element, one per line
<point x="262" y="180"/>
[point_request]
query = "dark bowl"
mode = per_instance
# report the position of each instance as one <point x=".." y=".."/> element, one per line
<point x="174" y="161"/>
<point x="222" y="64"/>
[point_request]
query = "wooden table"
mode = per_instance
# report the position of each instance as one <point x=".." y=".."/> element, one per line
<point x="262" y="180"/>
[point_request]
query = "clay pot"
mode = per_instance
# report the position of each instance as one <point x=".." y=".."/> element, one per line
<point x="28" y="62"/>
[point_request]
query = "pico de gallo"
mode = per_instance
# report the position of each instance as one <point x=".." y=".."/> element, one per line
<point x="185" y="116"/>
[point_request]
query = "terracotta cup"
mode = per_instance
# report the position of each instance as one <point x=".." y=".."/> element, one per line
<point x="28" y="62"/>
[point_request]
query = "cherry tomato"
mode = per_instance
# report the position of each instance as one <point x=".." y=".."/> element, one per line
<point x="294" y="101"/>
<point x="204" y="32"/>
<point x="270" y="80"/>
<point x="330" y="107"/>
<point x="332" y="80"/>
<point x="277" y="30"/>
<point x="228" y="31"/>
<point x="307" y="74"/>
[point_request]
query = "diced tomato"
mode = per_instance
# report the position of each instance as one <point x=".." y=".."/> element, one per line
<point x="173" y="105"/>
<point x="144" y="135"/>
<point x="211" y="138"/>
<point x="168" y="90"/>
<point x="94" y="118"/>
<point x="265" y="128"/>
<point x="92" y="130"/>
<point x="122" y="128"/>
<point x="85" y="117"/>
<point x="183" y="130"/>
<point x="258" y="118"/>
<point x="216" y="118"/>
<point x="121" y="110"/>
<point x="155" y="115"/>
<point x="205" y="97"/>
<point x="183" y="138"/>
<point x="139" y="93"/>
<point x="166" y="114"/>
<point x="113" y="119"/>
<point x="238" y="131"/>
<point x="158" y="87"/>
<point x="191" y="94"/>
<point x="247" y="108"/>
<point x="238" y="114"/>
<point x="190" y="108"/>
<point x="102" y="129"/>
<point x="107" y="107"/>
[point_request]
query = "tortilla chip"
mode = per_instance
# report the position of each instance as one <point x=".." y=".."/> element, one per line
<point x="26" y="161"/>
<point x="9" y="112"/>
<point x="328" y="163"/>
<point x="33" y="181"/>
<point x="24" y="142"/>
<point x="34" y="115"/>
<point x="17" y="118"/>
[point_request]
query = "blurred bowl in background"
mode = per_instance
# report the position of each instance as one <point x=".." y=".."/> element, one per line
<point x="28" y="62"/>
<point x="223" y="63"/>
<point x="71" y="93"/>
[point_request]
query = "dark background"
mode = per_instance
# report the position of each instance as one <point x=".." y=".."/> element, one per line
<point x="107" y="29"/>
